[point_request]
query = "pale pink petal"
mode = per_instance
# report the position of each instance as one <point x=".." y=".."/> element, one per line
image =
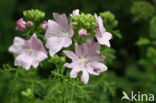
<point x="99" y="21"/>
<point x="104" y="40"/>
<point x="55" y="44"/>
<point x="75" y="13"/>
<point x="61" y="19"/>
<point x="54" y="29"/>
<point x="91" y="70"/>
<point x="85" y="76"/>
<point x="100" y="67"/>
<point x="74" y="72"/>
<point x="102" y="36"/>
<point x="39" y="56"/>
<point x="95" y="47"/>
<point x="68" y="42"/>
<point x="70" y="55"/>
<point x="79" y="50"/>
<point x="69" y="65"/>
<point x="70" y="30"/>
<point x="18" y="45"/>
<point x="37" y="44"/>
<point x="95" y="57"/>
<point x="24" y="60"/>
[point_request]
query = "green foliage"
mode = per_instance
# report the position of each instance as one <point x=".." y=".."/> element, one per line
<point x="153" y="28"/>
<point x="143" y="41"/>
<point x="142" y="10"/>
<point x="109" y="18"/>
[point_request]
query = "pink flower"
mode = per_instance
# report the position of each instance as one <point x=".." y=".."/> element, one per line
<point x="86" y="59"/>
<point x="21" y="25"/>
<point x="29" y="52"/>
<point x="83" y="32"/>
<point x="58" y="34"/>
<point x="75" y="13"/>
<point x="45" y="25"/>
<point x="102" y="36"/>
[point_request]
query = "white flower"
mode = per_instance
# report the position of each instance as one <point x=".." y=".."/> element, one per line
<point x="86" y="59"/>
<point x="29" y="52"/>
<point x="58" y="34"/>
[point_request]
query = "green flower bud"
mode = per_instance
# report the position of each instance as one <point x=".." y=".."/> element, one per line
<point x="86" y="21"/>
<point x="34" y="14"/>
<point x="142" y="10"/>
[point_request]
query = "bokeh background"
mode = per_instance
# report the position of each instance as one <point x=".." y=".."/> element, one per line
<point x="133" y="67"/>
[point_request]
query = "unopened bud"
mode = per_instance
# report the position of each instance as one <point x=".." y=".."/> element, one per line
<point x="83" y="32"/>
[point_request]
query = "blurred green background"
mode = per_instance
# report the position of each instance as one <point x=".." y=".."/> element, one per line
<point x="134" y="64"/>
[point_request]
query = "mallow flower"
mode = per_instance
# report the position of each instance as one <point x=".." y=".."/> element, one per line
<point x="58" y="34"/>
<point x="86" y="59"/>
<point x="103" y="37"/>
<point x="29" y="52"/>
<point x="75" y="13"/>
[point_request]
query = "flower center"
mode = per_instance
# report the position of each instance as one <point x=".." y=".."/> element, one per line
<point x="83" y="61"/>
<point x="29" y="51"/>
<point x="65" y="34"/>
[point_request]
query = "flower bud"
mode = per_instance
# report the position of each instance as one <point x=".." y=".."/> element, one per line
<point x="21" y="25"/>
<point x="45" y="25"/>
<point x="75" y="13"/>
<point x="83" y="32"/>
<point x="29" y="24"/>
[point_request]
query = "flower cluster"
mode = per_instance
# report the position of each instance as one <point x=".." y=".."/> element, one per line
<point x="60" y="33"/>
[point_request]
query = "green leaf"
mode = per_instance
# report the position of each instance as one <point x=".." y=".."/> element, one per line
<point x="143" y="41"/>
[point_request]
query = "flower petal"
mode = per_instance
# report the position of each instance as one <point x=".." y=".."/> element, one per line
<point x="24" y="60"/>
<point x="69" y="65"/>
<point x="74" y="72"/>
<point x="79" y="50"/>
<point x="95" y="57"/>
<point x="39" y="56"/>
<point x="91" y="70"/>
<point x="100" y="67"/>
<point x="104" y="40"/>
<point x="55" y="44"/>
<point x="61" y="19"/>
<point x="18" y="45"/>
<point x="85" y="77"/>
<point x="75" y="13"/>
<point x="54" y="29"/>
<point x="68" y="42"/>
<point x="70" y="55"/>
